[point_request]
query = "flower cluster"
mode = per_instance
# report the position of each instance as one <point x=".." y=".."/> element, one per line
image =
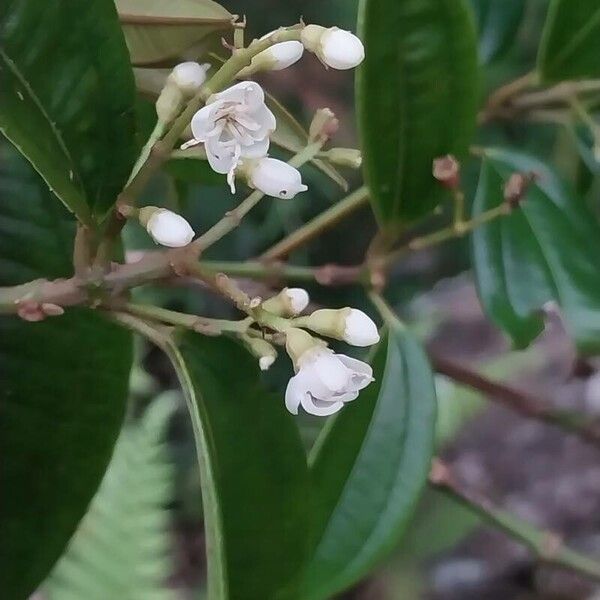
<point x="235" y="125"/>
<point x="323" y="381"/>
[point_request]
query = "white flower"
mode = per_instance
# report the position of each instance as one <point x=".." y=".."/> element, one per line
<point x="278" y="56"/>
<point x="234" y="124"/>
<point x="275" y="178"/>
<point x="325" y="381"/>
<point x="335" y="47"/>
<point x="359" y="329"/>
<point x="189" y="76"/>
<point x="169" y="229"/>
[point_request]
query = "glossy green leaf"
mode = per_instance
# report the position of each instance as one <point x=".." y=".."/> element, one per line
<point x="369" y="468"/>
<point x="570" y="43"/>
<point x="498" y="22"/>
<point x="62" y="398"/>
<point x="157" y="31"/>
<point x="25" y="123"/>
<point x="75" y="63"/>
<point x="417" y="99"/>
<point x="253" y="471"/>
<point x="545" y="250"/>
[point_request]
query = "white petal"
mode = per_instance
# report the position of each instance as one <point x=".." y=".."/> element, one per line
<point x="362" y="373"/>
<point x="320" y="408"/>
<point x="203" y="121"/>
<point x="341" y="49"/>
<point x="257" y="149"/>
<point x="360" y="330"/>
<point x="266" y="120"/>
<point x="247" y="93"/>
<point x="294" y="392"/>
<point x="332" y="372"/>
<point x="221" y="158"/>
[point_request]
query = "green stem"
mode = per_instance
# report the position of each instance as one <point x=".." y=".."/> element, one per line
<point x="318" y="225"/>
<point x="459" y="209"/>
<point x="545" y="545"/>
<point x="447" y="233"/>
<point x="156" y="134"/>
<point x="386" y="311"/>
<point x="233" y="218"/>
<point x="200" y="324"/>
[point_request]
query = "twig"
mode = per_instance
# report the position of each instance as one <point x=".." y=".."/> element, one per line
<point x="318" y="225"/>
<point x="547" y="546"/>
<point x="233" y="218"/>
<point x="521" y="402"/>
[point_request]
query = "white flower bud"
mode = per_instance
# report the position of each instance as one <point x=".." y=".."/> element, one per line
<point x="359" y="329"/>
<point x="351" y="325"/>
<point x="166" y="227"/>
<point x="265" y="362"/>
<point x="288" y="303"/>
<point x="277" y="57"/>
<point x="275" y="178"/>
<point x="336" y="48"/>
<point x="189" y="76"/>
<point x="263" y="350"/>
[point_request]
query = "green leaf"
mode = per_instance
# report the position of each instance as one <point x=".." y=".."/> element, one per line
<point x="417" y="98"/>
<point x="545" y="250"/>
<point x="25" y="123"/>
<point x="157" y="31"/>
<point x="62" y="399"/>
<point x="570" y="43"/>
<point x="498" y="22"/>
<point x="369" y="468"/>
<point x="76" y="123"/>
<point x="253" y="471"/>
<point x="122" y="548"/>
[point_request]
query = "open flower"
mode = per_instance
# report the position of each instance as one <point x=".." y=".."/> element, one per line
<point x="234" y="124"/>
<point x="325" y="381"/>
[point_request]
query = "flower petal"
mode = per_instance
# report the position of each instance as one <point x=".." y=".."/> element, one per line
<point x="320" y="408"/>
<point x="265" y="119"/>
<point x="248" y="93"/>
<point x="332" y="372"/>
<point x="294" y="393"/>
<point x="203" y="121"/>
<point x="257" y="149"/>
<point x="362" y="373"/>
<point x="221" y="158"/>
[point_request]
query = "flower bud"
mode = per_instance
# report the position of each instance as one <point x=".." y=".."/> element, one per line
<point x="274" y="178"/>
<point x="170" y="102"/>
<point x="166" y="227"/>
<point x="446" y="169"/>
<point x="335" y="47"/>
<point x="297" y="342"/>
<point x="346" y="157"/>
<point x="277" y="57"/>
<point x="351" y="325"/>
<point x="263" y="350"/>
<point x="189" y="77"/>
<point x="288" y="303"/>
<point x="323" y="125"/>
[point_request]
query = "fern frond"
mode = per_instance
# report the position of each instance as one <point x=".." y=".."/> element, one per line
<point x="122" y="550"/>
